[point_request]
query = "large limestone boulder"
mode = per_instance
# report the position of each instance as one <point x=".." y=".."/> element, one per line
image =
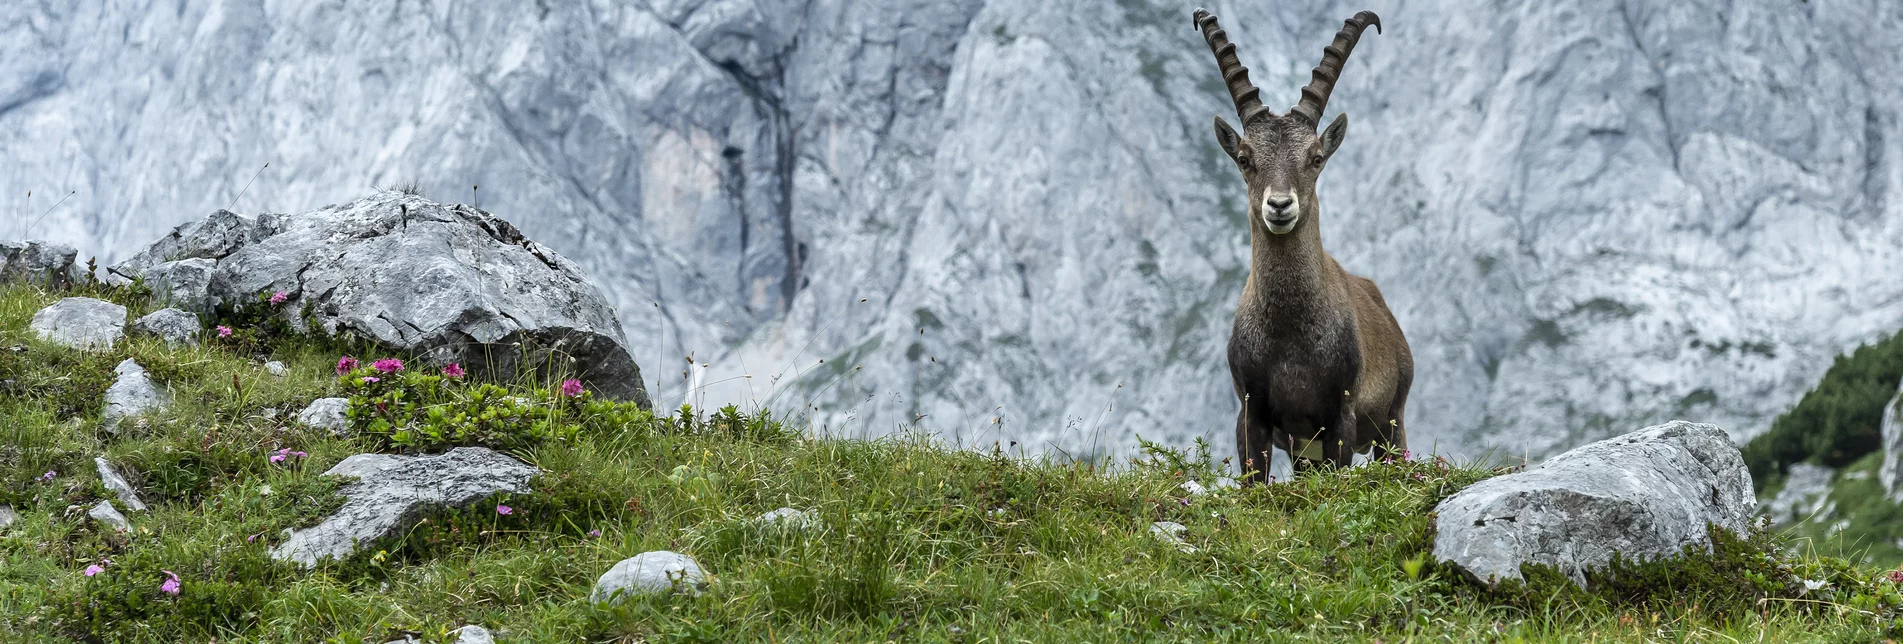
<point x="37" y="262"/>
<point x="452" y="281"/>
<point x="649" y="573"/>
<point x="391" y="491"/>
<point x="1644" y="495"/>
<point x="1891" y="473"/>
<point x="81" y="323"/>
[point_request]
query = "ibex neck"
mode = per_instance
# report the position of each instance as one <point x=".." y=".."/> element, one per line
<point x="1287" y="268"/>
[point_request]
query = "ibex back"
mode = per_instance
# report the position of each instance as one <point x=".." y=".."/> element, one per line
<point x="1316" y="357"/>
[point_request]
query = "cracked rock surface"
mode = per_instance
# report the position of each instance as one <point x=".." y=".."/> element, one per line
<point x="1644" y="495"/>
<point x="37" y="262"/>
<point x="391" y="491"/>
<point x="450" y="281"/>
<point x="81" y="323"/>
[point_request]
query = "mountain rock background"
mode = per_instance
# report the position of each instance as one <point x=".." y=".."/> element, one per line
<point x="1010" y="221"/>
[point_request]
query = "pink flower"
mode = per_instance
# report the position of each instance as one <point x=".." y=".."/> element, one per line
<point x="277" y="458"/>
<point x="224" y="331"/>
<point x="388" y="365"/>
<point x="170" y="587"/>
<point x="279" y="297"/>
<point x="286" y="453"/>
<point x="594" y="533"/>
<point x="454" y="370"/>
<point x="503" y="509"/>
<point x="370" y="379"/>
<point x="345" y="365"/>
<point x="571" y="387"/>
<point x="1895" y="576"/>
<point x="252" y="538"/>
<point x="94" y="570"/>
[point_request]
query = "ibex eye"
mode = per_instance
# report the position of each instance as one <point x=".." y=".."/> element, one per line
<point x="1315" y="160"/>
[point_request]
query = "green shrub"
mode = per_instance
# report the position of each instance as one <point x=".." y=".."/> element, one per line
<point x="410" y="410"/>
<point x="1838" y="421"/>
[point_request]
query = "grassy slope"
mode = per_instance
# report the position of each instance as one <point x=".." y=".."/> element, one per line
<point x="910" y="547"/>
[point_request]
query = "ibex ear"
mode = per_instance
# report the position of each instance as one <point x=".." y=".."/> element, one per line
<point x="1227" y="137"/>
<point x="1331" y="137"/>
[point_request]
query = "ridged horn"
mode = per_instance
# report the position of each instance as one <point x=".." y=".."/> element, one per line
<point x="1246" y="95"/>
<point x="1322" y="82"/>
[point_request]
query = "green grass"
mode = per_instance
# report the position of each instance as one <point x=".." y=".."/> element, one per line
<point x="915" y="542"/>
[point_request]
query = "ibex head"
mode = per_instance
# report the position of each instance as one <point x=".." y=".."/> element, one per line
<point x="1281" y="156"/>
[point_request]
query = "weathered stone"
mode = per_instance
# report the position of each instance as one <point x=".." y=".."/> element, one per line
<point x="451" y="282"/>
<point x="1805" y="494"/>
<point x="7" y="516"/>
<point x="648" y="573"/>
<point x="473" y="634"/>
<point x="104" y="513"/>
<point x="183" y="283"/>
<point x="788" y="517"/>
<point x="1644" y="495"/>
<point x="133" y="394"/>
<point x="48" y="264"/>
<point x="326" y="413"/>
<point x="1891" y="473"/>
<point x="276" y="368"/>
<point x="118" y="485"/>
<point x="81" y="323"/>
<point x="1170" y="532"/>
<point x="174" y="326"/>
<point x="391" y="491"/>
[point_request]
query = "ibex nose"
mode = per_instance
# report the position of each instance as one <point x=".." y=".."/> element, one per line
<point x="1279" y="204"/>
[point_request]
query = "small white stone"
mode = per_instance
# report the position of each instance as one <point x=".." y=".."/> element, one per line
<point x="118" y="485"/>
<point x="788" y="517"/>
<point x="1193" y="488"/>
<point x="473" y="634"/>
<point x="1170" y="532"/>
<point x="276" y="368"/>
<point x="327" y="413"/>
<point x="7" y="516"/>
<point x="649" y="573"/>
<point x="105" y="513"/>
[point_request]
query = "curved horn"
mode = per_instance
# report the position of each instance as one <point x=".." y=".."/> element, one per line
<point x="1246" y="95"/>
<point x="1322" y="82"/>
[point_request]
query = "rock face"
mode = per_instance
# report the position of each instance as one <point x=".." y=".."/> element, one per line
<point x="414" y="275"/>
<point x="184" y="283"/>
<point x="133" y="394"/>
<point x="1805" y="493"/>
<point x="118" y="485"/>
<point x="104" y="513"/>
<point x="391" y="491"/>
<point x="37" y="262"/>
<point x="1644" y="495"/>
<point x="176" y="327"/>
<point x="1550" y="193"/>
<point x="81" y="323"/>
<point x="326" y="413"/>
<point x="1891" y="473"/>
<point x="648" y="573"/>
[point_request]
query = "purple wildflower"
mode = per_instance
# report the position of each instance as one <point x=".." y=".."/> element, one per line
<point x="504" y="510"/>
<point x="454" y="370"/>
<point x="388" y="365"/>
<point x="94" y="570"/>
<point x="345" y="365"/>
<point x="571" y="388"/>
<point x="277" y="458"/>
<point x="370" y="379"/>
<point x="252" y="538"/>
<point x="170" y="587"/>
<point x="48" y="476"/>
<point x="594" y="533"/>
<point x="224" y="331"/>
<point x="279" y="297"/>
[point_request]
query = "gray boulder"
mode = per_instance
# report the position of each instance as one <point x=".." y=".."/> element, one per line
<point x="118" y="485"/>
<point x="104" y="513"/>
<point x="38" y="262"/>
<point x="1644" y="495"/>
<point x="1891" y="473"/>
<point x="449" y="281"/>
<point x="133" y="394"/>
<point x="326" y="413"/>
<point x="1805" y="494"/>
<point x="391" y="491"/>
<point x="649" y="573"/>
<point x="174" y="326"/>
<point x="183" y="283"/>
<point x="81" y="323"/>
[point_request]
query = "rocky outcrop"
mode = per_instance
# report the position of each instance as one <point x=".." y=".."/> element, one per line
<point x="184" y="283"/>
<point x="647" y="573"/>
<point x="1891" y="472"/>
<point x="176" y="327"/>
<point x="81" y="323"/>
<point x="133" y="394"/>
<point x="392" y="491"/>
<point x="450" y="281"/>
<point x="1644" y="495"/>
<point x="326" y="413"/>
<point x="37" y="262"/>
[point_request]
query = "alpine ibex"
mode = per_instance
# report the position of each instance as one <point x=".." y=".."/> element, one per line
<point x="1315" y="354"/>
